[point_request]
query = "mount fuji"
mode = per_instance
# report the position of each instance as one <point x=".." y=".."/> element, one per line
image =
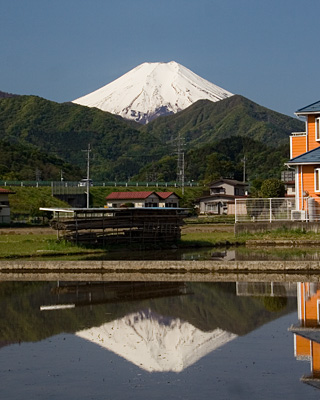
<point x="151" y="90"/>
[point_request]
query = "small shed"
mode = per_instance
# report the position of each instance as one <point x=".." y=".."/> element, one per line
<point x="5" y="206"/>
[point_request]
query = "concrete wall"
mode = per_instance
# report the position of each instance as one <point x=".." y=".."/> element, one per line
<point x="256" y="227"/>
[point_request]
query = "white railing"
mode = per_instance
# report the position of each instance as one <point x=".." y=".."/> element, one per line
<point x="277" y="209"/>
<point x="298" y="133"/>
<point x="267" y="209"/>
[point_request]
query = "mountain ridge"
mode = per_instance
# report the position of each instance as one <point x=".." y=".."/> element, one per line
<point x="123" y="149"/>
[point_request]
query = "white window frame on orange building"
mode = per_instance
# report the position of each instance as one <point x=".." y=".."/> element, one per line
<point x="317" y="128"/>
<point x="317" y="180"/>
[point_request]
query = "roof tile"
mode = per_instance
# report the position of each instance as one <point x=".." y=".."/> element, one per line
<point x="6" y="191"/>
<point x="311" y="108"/>
<point x="128" y="195"/>
<point x="310" y="157"/>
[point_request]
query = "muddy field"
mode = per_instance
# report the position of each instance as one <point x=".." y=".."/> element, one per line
<point x="46" y="230"/>
<point x="28" y="230"/>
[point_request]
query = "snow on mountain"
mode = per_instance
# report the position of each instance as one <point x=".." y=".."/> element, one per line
<point x="156" y="343"/>
<point x="151" y="90"/>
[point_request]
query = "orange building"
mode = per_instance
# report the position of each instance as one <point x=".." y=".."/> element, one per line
<point x="307" y="333"/>
<point x="305" y="158"/>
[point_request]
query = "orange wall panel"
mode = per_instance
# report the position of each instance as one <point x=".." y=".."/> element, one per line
<point x="316" y="358"/>
<point x="298" y="145"/>
<point x="302" y="346"/>
<point x="308" y="182"/>
<point x="312" y="143"/>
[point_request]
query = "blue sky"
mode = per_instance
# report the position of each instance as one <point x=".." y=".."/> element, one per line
<point x="265" y="50"/>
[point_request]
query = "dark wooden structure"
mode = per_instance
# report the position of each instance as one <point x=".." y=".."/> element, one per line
<point x="103" y="226"/>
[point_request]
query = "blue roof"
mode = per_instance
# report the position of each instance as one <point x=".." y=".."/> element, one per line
<point x="310" y="157"/>
<point x="311" y="108"/>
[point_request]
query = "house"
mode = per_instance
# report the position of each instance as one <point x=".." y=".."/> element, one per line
<point x="305" y="159"/>
<point x="143" y="199"/>
<point x="222" y="195"/>
<point x="168" y="199"/>
<point x="4" y="206"/>
<point x="288" y="179"/>
<point x="307" y="332"/>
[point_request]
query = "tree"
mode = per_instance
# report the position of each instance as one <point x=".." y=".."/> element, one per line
<point x="272" y="188"/>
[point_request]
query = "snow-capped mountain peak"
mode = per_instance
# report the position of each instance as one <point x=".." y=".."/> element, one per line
<point x="151" y="90"/>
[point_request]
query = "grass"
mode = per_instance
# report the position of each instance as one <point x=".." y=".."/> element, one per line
<point x="211" y="219"/>
<point x="282" y="234"/>
<point x="36" y="245"/>
<point x="206" y="239"/>
<point x="20" y="246"/>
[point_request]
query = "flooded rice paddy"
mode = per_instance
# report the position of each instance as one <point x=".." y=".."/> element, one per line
<point x="155" y="340"/>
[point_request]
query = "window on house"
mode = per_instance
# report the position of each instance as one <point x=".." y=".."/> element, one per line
<point x="317" y="180"/>
<point x="212" y="207"/>
<point x="318" y="128"/>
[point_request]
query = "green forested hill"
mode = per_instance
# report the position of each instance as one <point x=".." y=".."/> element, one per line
<point x="66" y="129"/>
<point x="206" y="122"/>
<point x="39" y="134"/>
<point x="27" y="162"/>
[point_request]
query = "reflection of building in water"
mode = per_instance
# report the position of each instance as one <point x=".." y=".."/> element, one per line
<point x="272" y="289"/>
<point x="156" y="343"/>
<point x="226" y="255"/>
<point x="89" y="293"/>
<point x="307" y="332"/>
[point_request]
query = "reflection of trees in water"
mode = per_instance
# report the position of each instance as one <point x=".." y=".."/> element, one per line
<point x="275" y="304"/>
<point x="275" y="254"/>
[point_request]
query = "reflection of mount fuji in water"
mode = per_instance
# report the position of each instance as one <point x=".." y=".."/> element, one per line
<point x="156" y="343"/>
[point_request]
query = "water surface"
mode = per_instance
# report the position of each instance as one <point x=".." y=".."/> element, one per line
<point x="142" y="340"/>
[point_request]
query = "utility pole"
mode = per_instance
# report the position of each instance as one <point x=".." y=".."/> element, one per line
<point x="38" y="174"/>
<point x="244" y="168"/>
<point x="88" y="174"/>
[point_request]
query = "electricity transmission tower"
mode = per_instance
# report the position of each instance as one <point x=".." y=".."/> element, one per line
<point x="180" y="162"/>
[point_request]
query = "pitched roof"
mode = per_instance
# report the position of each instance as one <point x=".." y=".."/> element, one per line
<point x="165" y="195"/>
<point x="310" y="157"/>
<point x="219" y="196"/>
<point x="232" y="182"/>
<point x="129" y="195"/>
<point x="311" y="108"/>
<point x="6" y="191"/>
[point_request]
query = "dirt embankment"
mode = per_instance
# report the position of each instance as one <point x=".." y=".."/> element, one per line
<point x="203" y="228"/>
